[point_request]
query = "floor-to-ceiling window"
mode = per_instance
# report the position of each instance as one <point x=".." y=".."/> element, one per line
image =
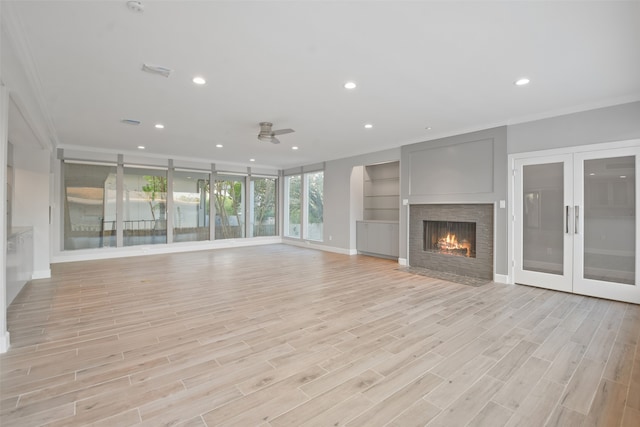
<point x="89" y="206"/>
<point x="314" y="205"/>
<point x="144" y="206"/>
<point x="110" y="203"/>
<point x="228" y="195"/>
<point x="262" y="206"/>
<point x="292" y="214"/>
<point x="304" y="205"/>
<point x="190" y="206"/>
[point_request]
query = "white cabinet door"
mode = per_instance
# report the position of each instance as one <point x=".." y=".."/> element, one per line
<point x="377" y="237"/>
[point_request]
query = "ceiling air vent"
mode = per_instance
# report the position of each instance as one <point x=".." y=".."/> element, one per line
<point x="157" y="69"/>
<point x="131" y="122"/>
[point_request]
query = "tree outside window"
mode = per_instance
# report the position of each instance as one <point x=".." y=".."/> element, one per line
<point x="229" y="207"/>
<point x="314" y="186"/>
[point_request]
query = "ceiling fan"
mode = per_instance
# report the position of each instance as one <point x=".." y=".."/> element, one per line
<point x="267" y="134"/>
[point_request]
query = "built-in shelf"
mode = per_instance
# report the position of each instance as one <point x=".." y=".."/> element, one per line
<point x="378" y="233"/>
<point x="382" y="192"/>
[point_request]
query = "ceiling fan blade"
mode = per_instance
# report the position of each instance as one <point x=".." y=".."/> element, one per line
<point x="275" y="140"/>
<point x="282" y="131"/>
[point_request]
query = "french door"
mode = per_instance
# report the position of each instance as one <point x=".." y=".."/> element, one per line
<point x="575" y="222"/>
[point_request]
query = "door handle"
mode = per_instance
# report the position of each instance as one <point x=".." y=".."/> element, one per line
<point x="577" y="219"/>
<point x="566" y="219"/>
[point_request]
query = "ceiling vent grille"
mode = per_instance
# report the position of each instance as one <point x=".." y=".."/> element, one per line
<point x="157" y="69"/>
<point x="131" y="122"/>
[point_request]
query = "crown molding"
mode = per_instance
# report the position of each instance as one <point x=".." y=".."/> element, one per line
<point x="13" y="31"/>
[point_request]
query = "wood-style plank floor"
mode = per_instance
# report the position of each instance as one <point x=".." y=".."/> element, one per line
<point x="283" y="336"/>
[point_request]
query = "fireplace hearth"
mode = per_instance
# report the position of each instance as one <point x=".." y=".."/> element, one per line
<point x="452" y="238"/>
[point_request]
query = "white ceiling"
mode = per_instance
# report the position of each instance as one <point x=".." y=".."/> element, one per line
<point x="450" y="66"/>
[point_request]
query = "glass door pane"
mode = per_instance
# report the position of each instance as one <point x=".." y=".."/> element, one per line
<point x="314" y="205"/>
<point x="89" y="206"/>
<point x="543" y="218"/>
<point x="145" y="206"/>
<point x="190" y="206"/>
<point x="610" y="219"/>
<point x="292" y="187"/>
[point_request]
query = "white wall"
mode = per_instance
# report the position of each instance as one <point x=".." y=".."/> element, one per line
<point x="18" y="80"/>
<point x="357" y="203"/>
<point x="31" y="202"/>
<point x="4" y="116"/>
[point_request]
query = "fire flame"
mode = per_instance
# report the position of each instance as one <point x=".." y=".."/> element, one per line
<point x="450" y="242"/>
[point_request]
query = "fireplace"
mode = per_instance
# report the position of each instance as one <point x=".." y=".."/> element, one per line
<point x="453" y="238"/>
<point x="450" y="237"/>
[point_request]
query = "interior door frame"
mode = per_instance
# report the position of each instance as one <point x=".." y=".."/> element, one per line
<point x="511" y="159"/>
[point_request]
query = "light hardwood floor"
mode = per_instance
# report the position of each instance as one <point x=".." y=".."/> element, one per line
<point x="282" y="336"/>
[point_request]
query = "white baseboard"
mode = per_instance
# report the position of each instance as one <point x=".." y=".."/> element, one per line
<point x="501" y="278"/>
<point x="4" y="342"/>
<point x="41" y="274"/>
<point x="318" y="246"/>
<point x="403" y="261"/>
<point x="128" y="251"/>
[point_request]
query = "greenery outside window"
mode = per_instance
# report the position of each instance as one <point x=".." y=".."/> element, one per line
<point x="262" y="206"/>
<point x="314" y="205"/>
<point x="228" y="194"/>
<point x="144" y="206"/>
<point x="292" y="187"/>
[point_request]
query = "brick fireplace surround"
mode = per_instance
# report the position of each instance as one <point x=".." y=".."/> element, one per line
<point x="482" y="214"/>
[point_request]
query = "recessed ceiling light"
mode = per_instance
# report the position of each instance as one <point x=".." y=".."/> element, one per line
<point x="294" y="148"/>
<point x="522" y="82"/>
<point x="368" y="126"/>
<point x="199" y="80"/>
<point x="428" y="128"/>
<point x="140" y="147"/>
<point x="218" y="145"/>
<point x="159" y="126"/>
<point x="623" y="176"/>
<point x="591" y="174"/>
<point x="252" y="160"/>
<point x="349" y="85"/>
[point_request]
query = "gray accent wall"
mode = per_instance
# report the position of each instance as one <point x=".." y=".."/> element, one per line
<point x="468" y="168"/>
<point x="616" y="123"/>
